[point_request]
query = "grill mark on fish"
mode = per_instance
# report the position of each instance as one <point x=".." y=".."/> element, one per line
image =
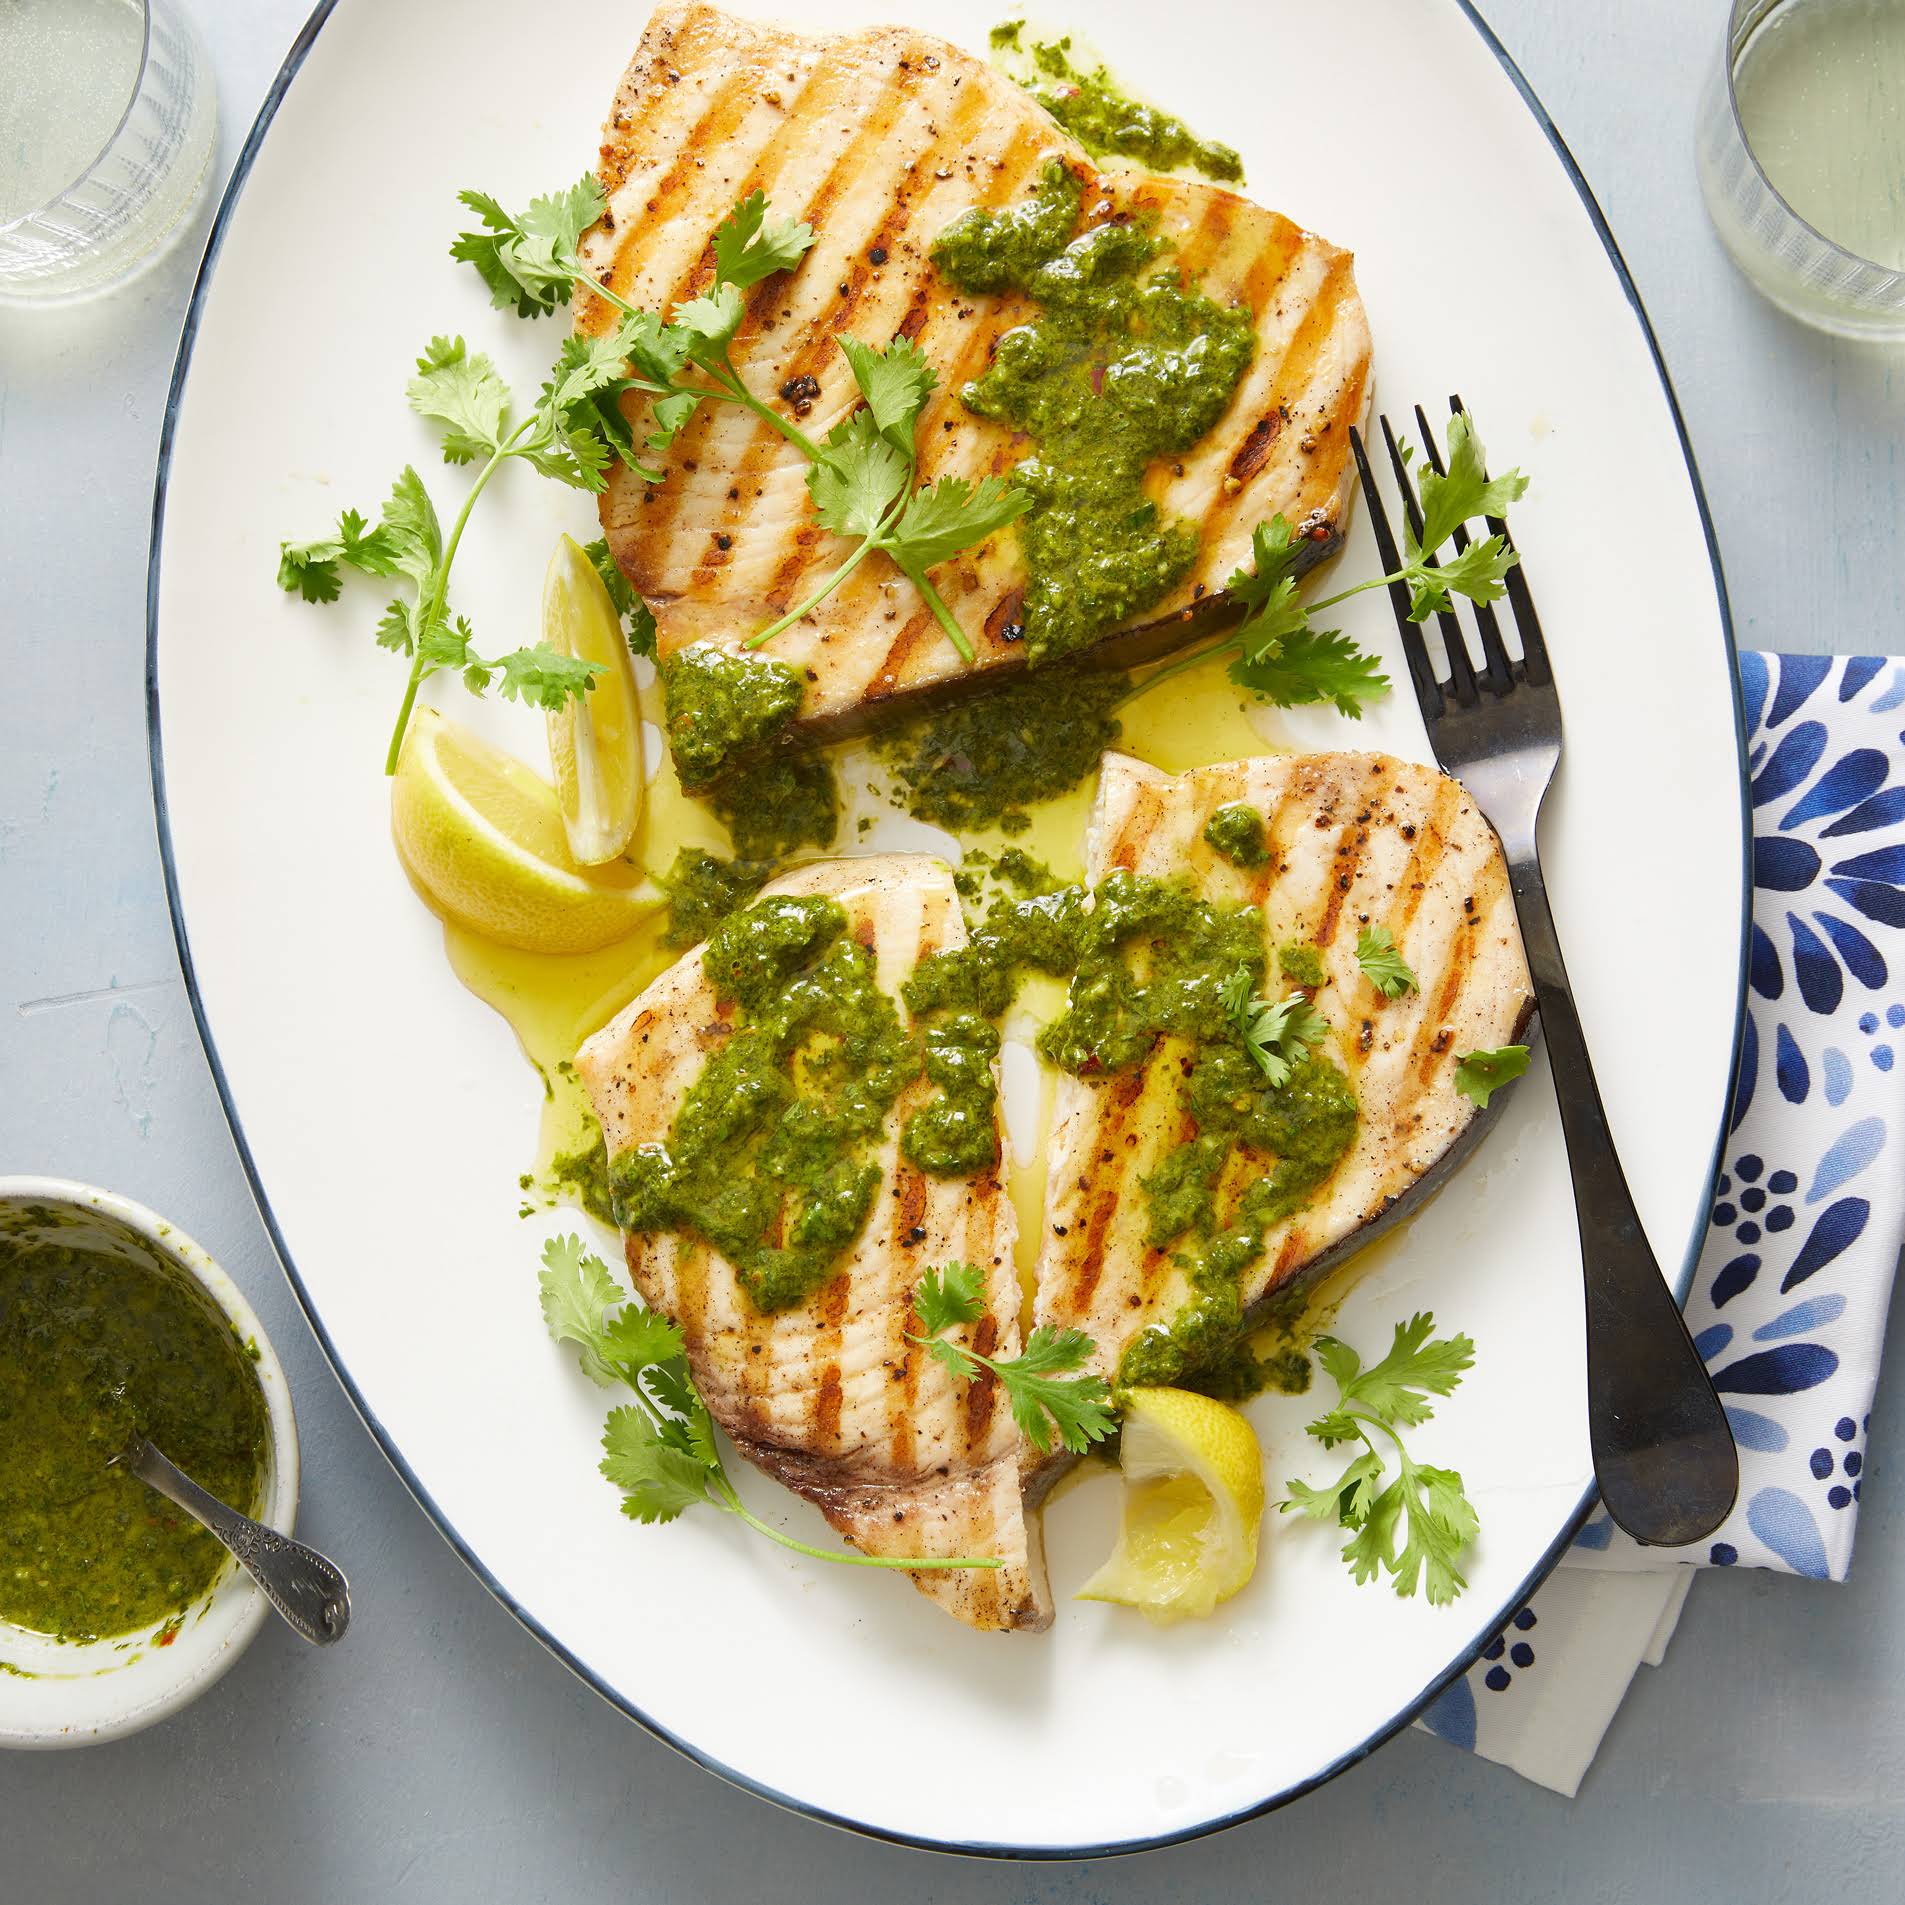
<point x="832" y="1311"/>
<point x="1426" y="854"/>
<point x="761" y="300"/>
<point x="981" y="1394"/>
<point x="1344" y="866"/>
<point x="1264" y="275"/>
<point x="1120" y="1094"/>
<point x="1157" y="1268"/>
<point x="664" y="195"/>
<point x="1299" y="356"/>
<point x="1254" y="451"/>
<point x="816" y="355"/>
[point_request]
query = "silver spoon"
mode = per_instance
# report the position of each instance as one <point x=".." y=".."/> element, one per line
<point x="309" y="1591"/>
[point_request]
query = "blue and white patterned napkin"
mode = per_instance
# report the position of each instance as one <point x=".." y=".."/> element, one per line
<point x="1789" y="1302"/>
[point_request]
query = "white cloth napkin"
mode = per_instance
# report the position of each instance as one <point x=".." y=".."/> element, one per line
<point x="1788" y="1305"/>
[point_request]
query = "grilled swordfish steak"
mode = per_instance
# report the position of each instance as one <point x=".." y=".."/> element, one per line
<point x="827" y="1395"/>
<point x="1350" y="840"/>
<point x="881" y="140"/>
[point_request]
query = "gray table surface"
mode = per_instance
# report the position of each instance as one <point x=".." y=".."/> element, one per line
<point x="442" y="1754"/>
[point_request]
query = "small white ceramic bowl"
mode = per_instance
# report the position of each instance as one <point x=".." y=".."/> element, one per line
<point x="58" y="1693"/>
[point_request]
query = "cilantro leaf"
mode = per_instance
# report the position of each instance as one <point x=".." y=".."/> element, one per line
<point x="1475" y="572"/>
<point x="1276" y="1033"/>
<point x="1303" y="664"/>
<point x="577" y="1292"/>
<point x="1441" y="1523"/>
<point x="1079" y="1407"/>
<point x="1045" y="1397"/>
<point x="638" y="622"/>
<point x="310" y="569"/>
<point x="950" y="515"/>
<point x="1426" y="1506"/>
<point x="711" y="321"/>
<point x="860" y="478"/>
<point x="629" y="1343"/>
<point x="1479" y="1075"/>
<point x="1382" y="963"/>
<point x="750" y="246"/>
<point x="462" y="392"/>
<point x="531" y="261"/>
<point x="1465" y="492"/>
<point x="1396" y="1390"/>
<point x="1372" y="1547"/>
<point x="658" y="1480"/>
<point x="411" y="531"/>
<point x="895" y="382"/>
<point x="1346" y="1500"/>
<point x="541" y="677"/>
<point x="948" y="1297"/>
<point x="1275" y="551"/>
<point x="393" y="627"/>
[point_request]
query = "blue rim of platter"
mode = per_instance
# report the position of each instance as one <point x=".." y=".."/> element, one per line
<point x="1683" y="1282"/>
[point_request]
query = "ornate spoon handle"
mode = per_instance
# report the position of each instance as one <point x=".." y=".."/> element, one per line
<point x="309" y="1591"/>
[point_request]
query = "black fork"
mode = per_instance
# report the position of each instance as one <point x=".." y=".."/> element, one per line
<point x="1663" y="1452"/>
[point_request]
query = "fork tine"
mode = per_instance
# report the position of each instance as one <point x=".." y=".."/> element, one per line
<point x="1461" y="670"/>
<point x="1414" y="648"/>
<point x="1499" y="676"/>
<point x="1534" y="651"/>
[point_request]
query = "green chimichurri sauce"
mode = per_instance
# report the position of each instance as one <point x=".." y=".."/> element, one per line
<point x="956" y="1132"/>
<point x="982" y="762"/>
<point x="1148" y="959"/>
<point x="93" y="1349"/>
<point x="1117" y="370"/>
<point x="1237" y="833"/>
<point x="1302" y="966"/>
<point x="1103" y="118"/>
<point x="721" y="705"/>
<point x="703" y="890"/>
<point x="582" y="1175"/>
<point x="776" y="803"/>
<point x="770" y="1157"/>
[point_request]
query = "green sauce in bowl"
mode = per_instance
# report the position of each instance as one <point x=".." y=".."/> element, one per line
<point x="96" y="1345"/>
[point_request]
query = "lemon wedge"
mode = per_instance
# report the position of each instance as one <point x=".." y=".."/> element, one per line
<point x="1193" y="1502"/>
<point x="595" y="740"/>
<point x="482" y="837"/>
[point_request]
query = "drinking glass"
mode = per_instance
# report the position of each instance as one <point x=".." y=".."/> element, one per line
<point x="1801" y="147"/>
<point x="107" y="122"/>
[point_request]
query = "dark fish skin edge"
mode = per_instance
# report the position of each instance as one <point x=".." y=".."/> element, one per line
<point x="1152" y="642"/>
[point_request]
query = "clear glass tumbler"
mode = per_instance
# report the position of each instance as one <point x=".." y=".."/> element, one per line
<point x="1801" y="147"/>
<point x="108" y="117"/>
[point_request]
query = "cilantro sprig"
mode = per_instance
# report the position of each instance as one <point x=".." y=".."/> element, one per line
<point x="863" y="487"/>
<point x="460" y="392"/>
<point x="1415" y="1526"/>
<point x="660" y="1449"/>
<point x="1275" y="650"/>
<point x="1276" y="1032"/>
<point x="1382" y="962"/>
<point x="1479" y="1075"/>
<point x="861" y="479"/>
<point x="1046" y="1398"/>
